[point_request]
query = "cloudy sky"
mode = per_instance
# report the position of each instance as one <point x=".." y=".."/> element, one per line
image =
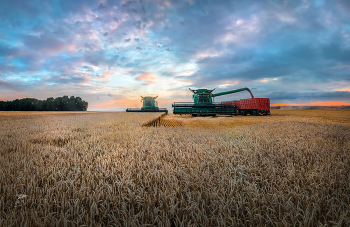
<point x="111" y="52"/>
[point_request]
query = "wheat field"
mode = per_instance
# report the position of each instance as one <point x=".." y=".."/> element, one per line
<point x="116" y="169"/>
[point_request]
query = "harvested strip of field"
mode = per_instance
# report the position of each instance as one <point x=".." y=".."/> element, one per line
<point x="221" y="122"/>
<point x="104" y="169"/>
<point x="160" y="121"/>
<point x="326" y="116"/>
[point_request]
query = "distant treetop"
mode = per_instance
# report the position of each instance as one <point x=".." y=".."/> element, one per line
<point x="51" y="104"/>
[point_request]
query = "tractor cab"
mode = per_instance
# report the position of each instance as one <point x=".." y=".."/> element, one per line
<point x="149" y="104"/>
<point x="149" y="101"/>
<point x="202" y="96"/>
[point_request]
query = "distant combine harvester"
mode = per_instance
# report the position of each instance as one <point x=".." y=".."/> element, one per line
<point x="149" y="105"/>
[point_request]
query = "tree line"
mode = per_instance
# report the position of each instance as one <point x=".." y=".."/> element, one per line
<point x="51" y="104"/>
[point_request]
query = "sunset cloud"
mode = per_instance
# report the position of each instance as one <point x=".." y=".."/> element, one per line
<point x="291" y="51"/>
<point x="121" y="102"/>
<point x="327" y="104"/>
<point x="148" y="78"/>
<point x="106" y="75"/>
<point x="315" y="104"/>
<point x="188" y="72"/>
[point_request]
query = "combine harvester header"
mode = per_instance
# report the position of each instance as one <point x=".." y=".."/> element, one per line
<point x="203" y="104"/>
<point x="149" y="105"/>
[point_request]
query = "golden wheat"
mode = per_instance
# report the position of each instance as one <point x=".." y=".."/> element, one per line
<point x="320" y="116"/>
<point x="100" y="169"/>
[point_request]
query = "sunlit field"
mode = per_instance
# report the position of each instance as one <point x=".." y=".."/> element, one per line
<point x="111" y="168"/>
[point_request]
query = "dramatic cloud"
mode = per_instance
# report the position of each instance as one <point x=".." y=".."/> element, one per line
<point x="111" y="52"/>
<point x="147" y="78"/>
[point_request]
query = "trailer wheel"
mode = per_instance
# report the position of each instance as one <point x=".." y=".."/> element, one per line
<point x="242" y="113"/>
<point x="255" y="113"/>
<point x="194" y="115"/>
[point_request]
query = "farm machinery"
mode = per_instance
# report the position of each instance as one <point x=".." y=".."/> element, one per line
<point x="253" y="106"/>
<point x="149" y="105"/>
<point x="203" y="104"/>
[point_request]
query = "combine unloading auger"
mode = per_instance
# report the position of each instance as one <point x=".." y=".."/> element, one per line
<point x="234" y="91"/>
<point x="203" y="103"/>
<point x="149" y="105"/>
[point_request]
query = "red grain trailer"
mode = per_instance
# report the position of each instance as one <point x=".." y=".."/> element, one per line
<point x="255" y="106"/>
<point x="237" y="102"/>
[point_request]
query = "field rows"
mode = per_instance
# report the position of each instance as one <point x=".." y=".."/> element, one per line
<point x="161" y="121"/>
<point x="226" y="122"/>
<point x="100" y="169"/>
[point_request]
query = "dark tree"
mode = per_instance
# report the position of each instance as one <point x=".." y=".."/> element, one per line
<point x="50" y="104"/>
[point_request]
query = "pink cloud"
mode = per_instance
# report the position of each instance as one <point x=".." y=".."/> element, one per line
<point x="318" y="103"/>
<point x="186" y="72"/>
<point x="344" y="89"/>
<point x="120" y="103"/>
<point x="165" y="102"/>
<point x="151" y="82"/>
<point x="148" y="78"/>
<point x="107" y="74"/>
<point x="183" y="81"/>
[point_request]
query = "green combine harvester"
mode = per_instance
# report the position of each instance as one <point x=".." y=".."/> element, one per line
<point x="203" y="104"/>
<point x="149" y="105"/>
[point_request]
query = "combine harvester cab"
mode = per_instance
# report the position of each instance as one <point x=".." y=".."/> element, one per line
<point x="149" y="105"/>
<point x="203" y="104"/>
